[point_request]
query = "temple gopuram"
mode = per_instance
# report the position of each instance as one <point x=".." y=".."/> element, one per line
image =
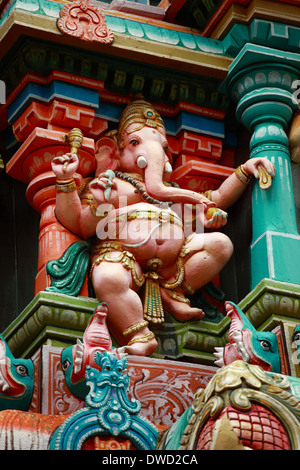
<point x="150" y="215"/>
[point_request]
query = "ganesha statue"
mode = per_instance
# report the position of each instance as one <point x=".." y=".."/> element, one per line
<point x="147" y="256"/>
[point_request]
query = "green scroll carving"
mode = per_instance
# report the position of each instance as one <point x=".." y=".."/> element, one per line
<point x="68" y="273"/>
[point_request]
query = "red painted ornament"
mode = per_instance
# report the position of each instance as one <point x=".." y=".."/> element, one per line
<point x="85" y="21"/>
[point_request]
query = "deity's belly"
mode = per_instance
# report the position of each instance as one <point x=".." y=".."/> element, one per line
<point x="146" y="231"/>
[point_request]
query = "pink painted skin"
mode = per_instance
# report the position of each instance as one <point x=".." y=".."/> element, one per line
<point x="113" y="283"/>
<point x="96" y="338"/>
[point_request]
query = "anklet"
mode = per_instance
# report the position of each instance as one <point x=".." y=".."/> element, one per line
<point x="134" y="328"/>
<point x="142" y="339"/>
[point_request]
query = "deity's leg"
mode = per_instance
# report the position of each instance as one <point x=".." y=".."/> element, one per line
<point x="113" y="284"/>
<point x="211" y="252"/>
<point x="180" y="310"/>
<point x="207" y="255"/>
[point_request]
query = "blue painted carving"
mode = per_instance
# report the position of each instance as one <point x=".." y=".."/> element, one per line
<point x="263" y="32"/>
<point x="184" y="120"/>
<point x="108" y="409"/>
<point x="46" y="93"/>
<point x="199" y="300"/>
<point x="248" y="344"/>
<point x="16" y="380"/>
<point x="77" y="386"/>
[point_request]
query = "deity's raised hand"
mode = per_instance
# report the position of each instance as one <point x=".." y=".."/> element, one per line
<point x="64" y="166"/>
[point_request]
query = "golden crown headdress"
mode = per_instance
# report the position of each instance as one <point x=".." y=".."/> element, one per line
<point x="138" y="112"/>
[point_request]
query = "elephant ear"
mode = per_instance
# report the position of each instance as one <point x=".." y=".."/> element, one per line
<point x="106" y="154"/>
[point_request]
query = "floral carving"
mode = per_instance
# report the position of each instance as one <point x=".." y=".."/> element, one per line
<point x="165" y="396"/>
<point x="85" y="21"/>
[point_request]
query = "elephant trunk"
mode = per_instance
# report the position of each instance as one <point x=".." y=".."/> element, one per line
<point x="155" y="187"/>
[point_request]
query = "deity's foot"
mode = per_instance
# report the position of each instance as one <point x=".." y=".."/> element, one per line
<point x="142" y="345"/>
<point x="182" y="311"/>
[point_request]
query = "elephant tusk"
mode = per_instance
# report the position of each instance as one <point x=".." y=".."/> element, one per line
<point x="141" y="161"/>
<point x="168" y="167"/>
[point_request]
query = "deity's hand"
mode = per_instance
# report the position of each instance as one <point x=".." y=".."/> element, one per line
<point x="252" y="167"/>
<point x="65" y="166"/>
<point x="104" y="188"/>
<point x="215" y="218"/>
<point x="207" y="203"/>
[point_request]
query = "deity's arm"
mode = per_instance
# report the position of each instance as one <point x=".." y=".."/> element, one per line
<point x="229" y="192"/>
<point x="68" y="208"/>
<point x="75" y="215"/>
<point x="71" y="210"/>
<point x="234" y="186"/>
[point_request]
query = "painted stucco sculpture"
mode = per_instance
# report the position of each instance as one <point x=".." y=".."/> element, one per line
<point x="248" y="344"/>
<point x="77" y="358"/>
<point x="140" y="220"/>
<point x="108" y="409"/>
<point x="16" y="380"/>
<point x="242" y="408"/>
<point x="64" y="68"/>
<point x="108" y="413"/>
<point x="85" y="21"/>
<point x="67" y="273"/>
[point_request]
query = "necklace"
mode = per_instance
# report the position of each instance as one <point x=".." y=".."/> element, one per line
<point x="134" y="182"/>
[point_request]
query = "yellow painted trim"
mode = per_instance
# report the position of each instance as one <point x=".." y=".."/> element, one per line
<point x="265" y="9"/>
<point x="21" y="22"/>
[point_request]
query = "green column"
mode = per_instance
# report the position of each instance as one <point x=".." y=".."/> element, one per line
<point x="260" y="81"/>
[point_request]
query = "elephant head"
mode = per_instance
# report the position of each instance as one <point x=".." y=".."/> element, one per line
<point x="76" y="359"/>
<point x="140" y="147"/>
<point x="248" y="344"/>
<point x="16" y="380"/>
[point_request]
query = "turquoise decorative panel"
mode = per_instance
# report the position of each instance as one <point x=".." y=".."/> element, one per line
<point x="108" y="409"/>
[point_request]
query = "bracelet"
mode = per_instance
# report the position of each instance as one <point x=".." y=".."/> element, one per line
<point x="65" y="186"/>
<point x="207" y="194"/>
<point x="242" y="175"/>
<point x="135" y="328"/>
